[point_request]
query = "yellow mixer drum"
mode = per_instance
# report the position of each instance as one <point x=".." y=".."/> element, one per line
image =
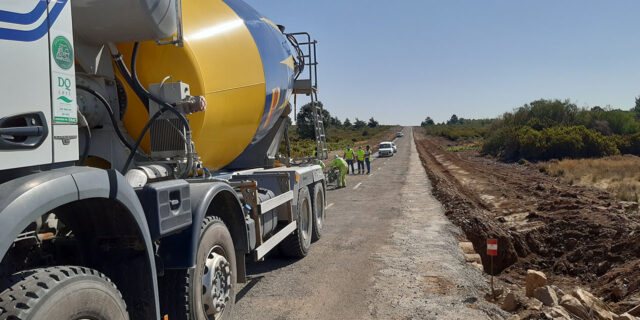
<point x="237" y="59"/>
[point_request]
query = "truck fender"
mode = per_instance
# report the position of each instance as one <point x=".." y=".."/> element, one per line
<point x="179" y="251"/>
<point x="25" y="199"/>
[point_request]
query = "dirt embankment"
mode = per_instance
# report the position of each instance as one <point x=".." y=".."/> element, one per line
<point x="577" y="235"/>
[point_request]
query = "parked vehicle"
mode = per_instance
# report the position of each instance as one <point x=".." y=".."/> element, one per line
<point x="393" y="145"/>
<point x="138" y="156"/>
<point x="385" y="149"/>
<point x="399" y="135"/>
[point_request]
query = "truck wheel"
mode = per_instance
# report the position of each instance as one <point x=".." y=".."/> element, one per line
<point x="297" y="244"/>
<point x="65" y="292"/>
<point x="318" y="211"/>
<point x="209" y="288"/>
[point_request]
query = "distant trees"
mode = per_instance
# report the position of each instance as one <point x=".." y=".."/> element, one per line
<point x="453" y="120"/>
<point x="636" y="108"/>
<point x="347" y="123"/>
<point x="335" y="122"/>
<point x="305" y="121"/>
<point x="427" y="122"/>
<point x="372" y="123"/>
<point x="359" y="124"/>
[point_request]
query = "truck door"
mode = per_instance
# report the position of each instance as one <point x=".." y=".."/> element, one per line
<point x="38" y="115"/>
<point x="25" y="90"/>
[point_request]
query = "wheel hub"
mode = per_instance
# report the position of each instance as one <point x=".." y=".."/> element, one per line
<point x="216" y="284"/>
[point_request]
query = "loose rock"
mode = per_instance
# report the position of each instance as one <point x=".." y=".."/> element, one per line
<point x="533" y="304"/>
<point x="573" y="305"/>
<point x="596" y="307"/>
<point x="624" y="316"/>
<point x="558" y="312"/>
<point x="467" y="247"/>
<point x="535" y="279"/>
<point x="635" y="311"/>
<point x="546" y="295"/>
<point x="510" y="302"/>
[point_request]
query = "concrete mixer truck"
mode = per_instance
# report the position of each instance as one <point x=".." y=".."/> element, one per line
<point x="140" y="162"/>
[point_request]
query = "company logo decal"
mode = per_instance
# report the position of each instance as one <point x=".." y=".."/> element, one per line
<point x="62" y="52"/>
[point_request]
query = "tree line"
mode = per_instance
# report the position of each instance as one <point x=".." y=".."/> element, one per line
<point x="550" y="129"/>
<point x="305" y="122"/>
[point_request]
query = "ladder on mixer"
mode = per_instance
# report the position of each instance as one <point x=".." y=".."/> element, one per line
<point x="306" y="83"/>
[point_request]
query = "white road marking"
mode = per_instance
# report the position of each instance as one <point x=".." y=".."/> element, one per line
<point x="329" y="205"/>
<point x="357" y="185"/>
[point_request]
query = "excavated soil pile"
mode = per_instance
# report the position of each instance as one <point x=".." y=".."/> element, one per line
<point x="576" y="235"/>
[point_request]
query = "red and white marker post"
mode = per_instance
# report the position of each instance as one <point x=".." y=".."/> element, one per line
<point x="492" y="250"/>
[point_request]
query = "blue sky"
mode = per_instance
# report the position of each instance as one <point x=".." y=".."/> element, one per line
<point x="400" y="61"/>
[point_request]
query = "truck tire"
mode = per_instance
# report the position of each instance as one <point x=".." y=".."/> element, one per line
<point x="65" y="292"/>
<point x="318" y="211"/>
<point x="207" y="291"/>
<point x="297" y="244"/>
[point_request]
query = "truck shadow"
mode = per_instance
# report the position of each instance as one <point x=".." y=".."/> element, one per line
<point x="255" y="271"/>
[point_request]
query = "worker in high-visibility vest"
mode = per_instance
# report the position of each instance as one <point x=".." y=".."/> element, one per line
<point x="367" y="158"/>
<point x="360" y="156"/>
<point x="342" y="165"/>
<point x="348" y="155"/>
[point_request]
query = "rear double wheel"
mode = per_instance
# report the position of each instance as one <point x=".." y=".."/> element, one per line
<point x="208" y="290"/>
<point x="297" y="244"/>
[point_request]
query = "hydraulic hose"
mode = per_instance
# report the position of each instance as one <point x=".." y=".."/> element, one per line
<point x="112" y="116"/>
<point x="139" y="140"/>
<point x="148" y="95"/>
<point x="145" y="96"/>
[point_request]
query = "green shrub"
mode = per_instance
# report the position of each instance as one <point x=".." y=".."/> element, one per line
<point x="512" y="143"/>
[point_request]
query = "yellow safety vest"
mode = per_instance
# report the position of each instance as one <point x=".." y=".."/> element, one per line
<point x="349" y="154"/>
<point x="360" y="155"/>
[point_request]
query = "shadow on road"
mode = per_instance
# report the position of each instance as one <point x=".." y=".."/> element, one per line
<point x="271" y="263"/>
<point x="255" y="269"/>
<point x="250" y="284"/>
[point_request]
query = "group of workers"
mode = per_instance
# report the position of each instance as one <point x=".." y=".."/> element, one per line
<point x="362" y="156"/>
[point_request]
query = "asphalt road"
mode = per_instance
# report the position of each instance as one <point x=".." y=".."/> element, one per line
<point x="387" y="252"/>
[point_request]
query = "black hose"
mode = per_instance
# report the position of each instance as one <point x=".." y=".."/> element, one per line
<point x="148" y="95"/>
<point x="145" y="96"/>
<point x="139" y="140"/>
<point x="112" y="116"/>
<point x="122" y="68"/>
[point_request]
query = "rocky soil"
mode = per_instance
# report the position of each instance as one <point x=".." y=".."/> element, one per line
<point x="578" y="236"/>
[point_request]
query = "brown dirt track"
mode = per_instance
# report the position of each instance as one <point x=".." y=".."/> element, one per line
<point x="576" y="235"/>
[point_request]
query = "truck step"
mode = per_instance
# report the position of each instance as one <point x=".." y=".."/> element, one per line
<point x="268" y="245"/>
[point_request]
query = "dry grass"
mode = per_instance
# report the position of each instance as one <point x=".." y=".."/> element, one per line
<point x="620" y="175"/>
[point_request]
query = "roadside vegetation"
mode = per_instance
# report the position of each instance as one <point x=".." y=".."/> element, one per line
<point x="619" y="175"/>
<point x="597" y="147"/>
<point x="340" y="134"/>
<point x="549" y="129"/>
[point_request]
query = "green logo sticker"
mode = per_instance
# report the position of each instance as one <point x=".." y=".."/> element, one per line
<point x="62" y="52"/>
<point x="65" y="99"/>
